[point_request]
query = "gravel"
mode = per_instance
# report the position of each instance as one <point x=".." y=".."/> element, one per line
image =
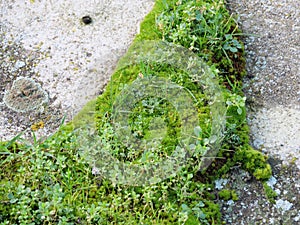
<point x="253" y="207"/>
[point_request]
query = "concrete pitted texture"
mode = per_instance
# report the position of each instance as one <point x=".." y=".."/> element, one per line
<point x="48" y="42"/>
<point x="273" y="65"/>
<point x="272" y="87"/>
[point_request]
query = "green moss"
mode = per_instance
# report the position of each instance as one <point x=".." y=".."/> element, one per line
<point x="254" y="162"/>
<point x="237" y="133"/>
<point x="212" y="211"/>
<point x="228" y="194"/>
<point x="148" y="30"/>
<point x="192" y="220"/>
<point x="270" y="193"/>
<point x="54" y="169"/>
<point x="225" y="194"/>
<point x="234" y="196"/>
<point x="204" y="212"/>
<point x="86" y="115"/>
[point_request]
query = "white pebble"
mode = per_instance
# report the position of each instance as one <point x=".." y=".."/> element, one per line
<point x="284" y="205"/>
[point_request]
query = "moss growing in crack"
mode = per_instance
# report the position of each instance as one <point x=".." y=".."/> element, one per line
<point x="57" y="170"/>
<point x="270" y="193"/>
<point x="228" y="194"/>
<point x="226" y="56"/>
<point x="254" y="162"/>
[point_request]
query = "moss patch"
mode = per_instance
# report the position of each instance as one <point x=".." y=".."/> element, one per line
<point x="50" y="182"/>
<point x="270" y="193"/>
<point x="228" y="194"/>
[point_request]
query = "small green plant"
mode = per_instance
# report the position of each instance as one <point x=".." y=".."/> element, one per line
<point x="200" y="213"/>
<point x="231" y="44"/>
<point x="206" y="28"/>
<point x="49" y="182"/>
<point x="195" y="214"/>
<point x="236" y="101"/>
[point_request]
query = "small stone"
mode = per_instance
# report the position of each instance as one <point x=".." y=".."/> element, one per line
<point x="230" y="202"/>
<point x="283" y="205"/>
<point x="297" y="218"/>
<point x="220" y="183"/>
<point x="19" y="64"/>
<point x="86" y="20"/>
<point x="271" y="182"/>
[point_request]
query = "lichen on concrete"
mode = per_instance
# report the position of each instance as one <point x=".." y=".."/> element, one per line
<point x="25" y="95"/>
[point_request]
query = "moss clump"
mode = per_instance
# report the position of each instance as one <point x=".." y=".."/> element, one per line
<point x="270" y="193"/>
<point x="204" y="212"/>
<point x="254" y="162"/>
<point x="181" y="23"/>
<point x="228" y="194"/>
